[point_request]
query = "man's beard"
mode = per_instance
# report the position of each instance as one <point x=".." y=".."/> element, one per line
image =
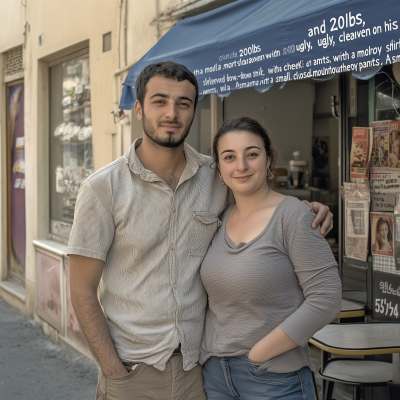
<point x="170" y="141"/>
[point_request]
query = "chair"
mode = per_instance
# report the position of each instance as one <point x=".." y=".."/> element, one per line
<point x="356" y="373"/>
<point x="394" y="390"/>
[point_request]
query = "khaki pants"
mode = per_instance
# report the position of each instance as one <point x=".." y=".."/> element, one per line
<point x="146" y="382"/>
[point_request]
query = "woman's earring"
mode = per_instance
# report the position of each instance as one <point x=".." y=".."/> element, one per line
<point x="271" y="173"/>
<point x="220" y="177"/>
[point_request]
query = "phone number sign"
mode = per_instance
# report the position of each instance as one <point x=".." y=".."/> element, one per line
<point x="386" y="291"/>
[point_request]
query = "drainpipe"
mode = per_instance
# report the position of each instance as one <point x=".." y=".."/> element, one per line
<point x="116" y="75"/>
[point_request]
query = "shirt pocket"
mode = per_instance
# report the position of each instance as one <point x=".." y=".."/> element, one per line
<point x="204" y="225"/>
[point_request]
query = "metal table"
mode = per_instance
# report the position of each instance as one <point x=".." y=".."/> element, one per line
<point x="361" y="339"/>
<point x="351" y="309"/>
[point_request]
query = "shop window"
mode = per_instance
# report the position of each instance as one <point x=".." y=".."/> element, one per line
<point x="71" y="150"/>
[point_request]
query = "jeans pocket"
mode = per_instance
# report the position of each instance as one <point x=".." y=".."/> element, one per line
<point x="125" y="377"/>
<point x="116" y="387"/>
<point x="263" y="376"/>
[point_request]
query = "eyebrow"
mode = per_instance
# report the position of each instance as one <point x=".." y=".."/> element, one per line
<point x="247" y="148"/>
<point x="165" y="96"/>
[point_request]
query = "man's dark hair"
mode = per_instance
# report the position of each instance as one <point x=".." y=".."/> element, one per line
<point x="168" y="69"/>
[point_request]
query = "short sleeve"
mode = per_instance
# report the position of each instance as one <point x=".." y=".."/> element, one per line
<point x="93" y="228"/>
<point x="318" y="276"/>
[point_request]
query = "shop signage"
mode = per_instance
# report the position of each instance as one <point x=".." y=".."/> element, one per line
<point x="386" y="296"/>
<point x="258" y="43"/>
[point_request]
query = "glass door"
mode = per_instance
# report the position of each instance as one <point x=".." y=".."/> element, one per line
<point x="16" y="182"/>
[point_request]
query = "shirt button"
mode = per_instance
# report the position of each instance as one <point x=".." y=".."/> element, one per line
<point x="173" y="209"/>
<point x="179" y="320"/>
<point x="171" y="350"/>
<point x="172" y="247"/>
<point x="174" y="285"/>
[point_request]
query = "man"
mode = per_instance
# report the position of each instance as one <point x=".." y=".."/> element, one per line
<point x="142" y="227"/>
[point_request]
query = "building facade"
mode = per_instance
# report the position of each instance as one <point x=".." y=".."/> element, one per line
<point x="62" y="65"/>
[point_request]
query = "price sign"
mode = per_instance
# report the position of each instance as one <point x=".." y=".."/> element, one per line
<point x="386" y="302"/>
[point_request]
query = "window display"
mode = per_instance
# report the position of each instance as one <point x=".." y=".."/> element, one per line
<point x="71" y="150"/>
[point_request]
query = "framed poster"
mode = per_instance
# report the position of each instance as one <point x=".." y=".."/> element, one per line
<point x="382" y="234"/>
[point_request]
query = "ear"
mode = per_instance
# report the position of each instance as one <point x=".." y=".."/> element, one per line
<point x="138" y="110"/>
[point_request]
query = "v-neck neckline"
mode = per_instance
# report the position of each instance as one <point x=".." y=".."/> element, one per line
<point x="239" y="248"/>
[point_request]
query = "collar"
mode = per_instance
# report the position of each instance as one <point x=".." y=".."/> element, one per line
<point x="194" y="160"/>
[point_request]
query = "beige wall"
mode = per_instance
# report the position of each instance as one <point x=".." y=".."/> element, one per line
<point x="12" y="21"/>
<point x="68" y="26"/>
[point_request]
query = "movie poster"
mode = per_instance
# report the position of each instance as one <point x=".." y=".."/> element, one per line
<point x="380" y="146"/>
<point x="382" y="234"/>
<point x="360" y="154"/>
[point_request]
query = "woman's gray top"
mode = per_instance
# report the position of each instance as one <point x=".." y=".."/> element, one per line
<point x="286" y="276"/>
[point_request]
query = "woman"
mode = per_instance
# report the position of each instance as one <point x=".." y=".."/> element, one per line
<point x="272" y="281"/>
<point x="383" y="236"/>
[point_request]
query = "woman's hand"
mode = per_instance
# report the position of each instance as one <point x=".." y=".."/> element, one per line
<point x="323" y="215"/>
<point x="275" y="343"/>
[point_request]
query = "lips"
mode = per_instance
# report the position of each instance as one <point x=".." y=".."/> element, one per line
<point x="170" y="126"/>
<point x="243" y="178"/>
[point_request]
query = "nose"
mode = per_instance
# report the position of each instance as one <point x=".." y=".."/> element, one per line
<point x="171" y="112"/>
<point x="241" y="164"/>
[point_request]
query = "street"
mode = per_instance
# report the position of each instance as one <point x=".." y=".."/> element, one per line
<point x="34" y="368"/>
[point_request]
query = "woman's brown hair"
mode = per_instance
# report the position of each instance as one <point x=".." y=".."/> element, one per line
<point x="249" y="125"/>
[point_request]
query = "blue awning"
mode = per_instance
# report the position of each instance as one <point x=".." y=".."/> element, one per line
<point x="256" y="43"/>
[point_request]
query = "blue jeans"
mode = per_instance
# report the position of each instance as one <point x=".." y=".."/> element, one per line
<point x="229" y="378"/>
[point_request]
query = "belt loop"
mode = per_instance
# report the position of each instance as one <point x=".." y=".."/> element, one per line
<point x="227" y="373"/>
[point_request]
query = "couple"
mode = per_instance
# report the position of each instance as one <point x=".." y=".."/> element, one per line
<point x="143" y="241"/>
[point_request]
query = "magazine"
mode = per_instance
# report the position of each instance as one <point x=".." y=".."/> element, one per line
<point x="380" y="146"/>
<point x="357" y="201"/>
<point x="360" y="154"/>
<point x="385" y="156"/>
<point x="382" y="234"/>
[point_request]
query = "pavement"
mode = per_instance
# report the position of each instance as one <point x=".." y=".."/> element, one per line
<point x="34" y="368"/>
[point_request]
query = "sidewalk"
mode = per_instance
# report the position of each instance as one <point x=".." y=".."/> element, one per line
<point x="33" y="368"/>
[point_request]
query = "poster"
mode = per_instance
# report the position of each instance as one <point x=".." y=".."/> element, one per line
<point x="382" y="234"/>
<point x="360" y="153"/>
<point x="357" y="200"/>
<point x="394" y="144"/>
<point x="380" y="146"/>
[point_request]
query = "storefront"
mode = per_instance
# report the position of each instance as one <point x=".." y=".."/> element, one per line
<point x="311" y="72"/>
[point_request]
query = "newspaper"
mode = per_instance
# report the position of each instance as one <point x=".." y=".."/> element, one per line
<point x="357" y="200"/>
<point x="382" y="234"/>
<point x="360" y="154"/>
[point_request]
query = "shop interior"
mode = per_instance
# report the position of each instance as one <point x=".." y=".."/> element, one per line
<point x="299" y="119"/>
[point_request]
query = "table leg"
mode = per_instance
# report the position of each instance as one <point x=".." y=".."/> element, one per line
<point x="324" y="360"/>
<point x="396" y="367"/>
